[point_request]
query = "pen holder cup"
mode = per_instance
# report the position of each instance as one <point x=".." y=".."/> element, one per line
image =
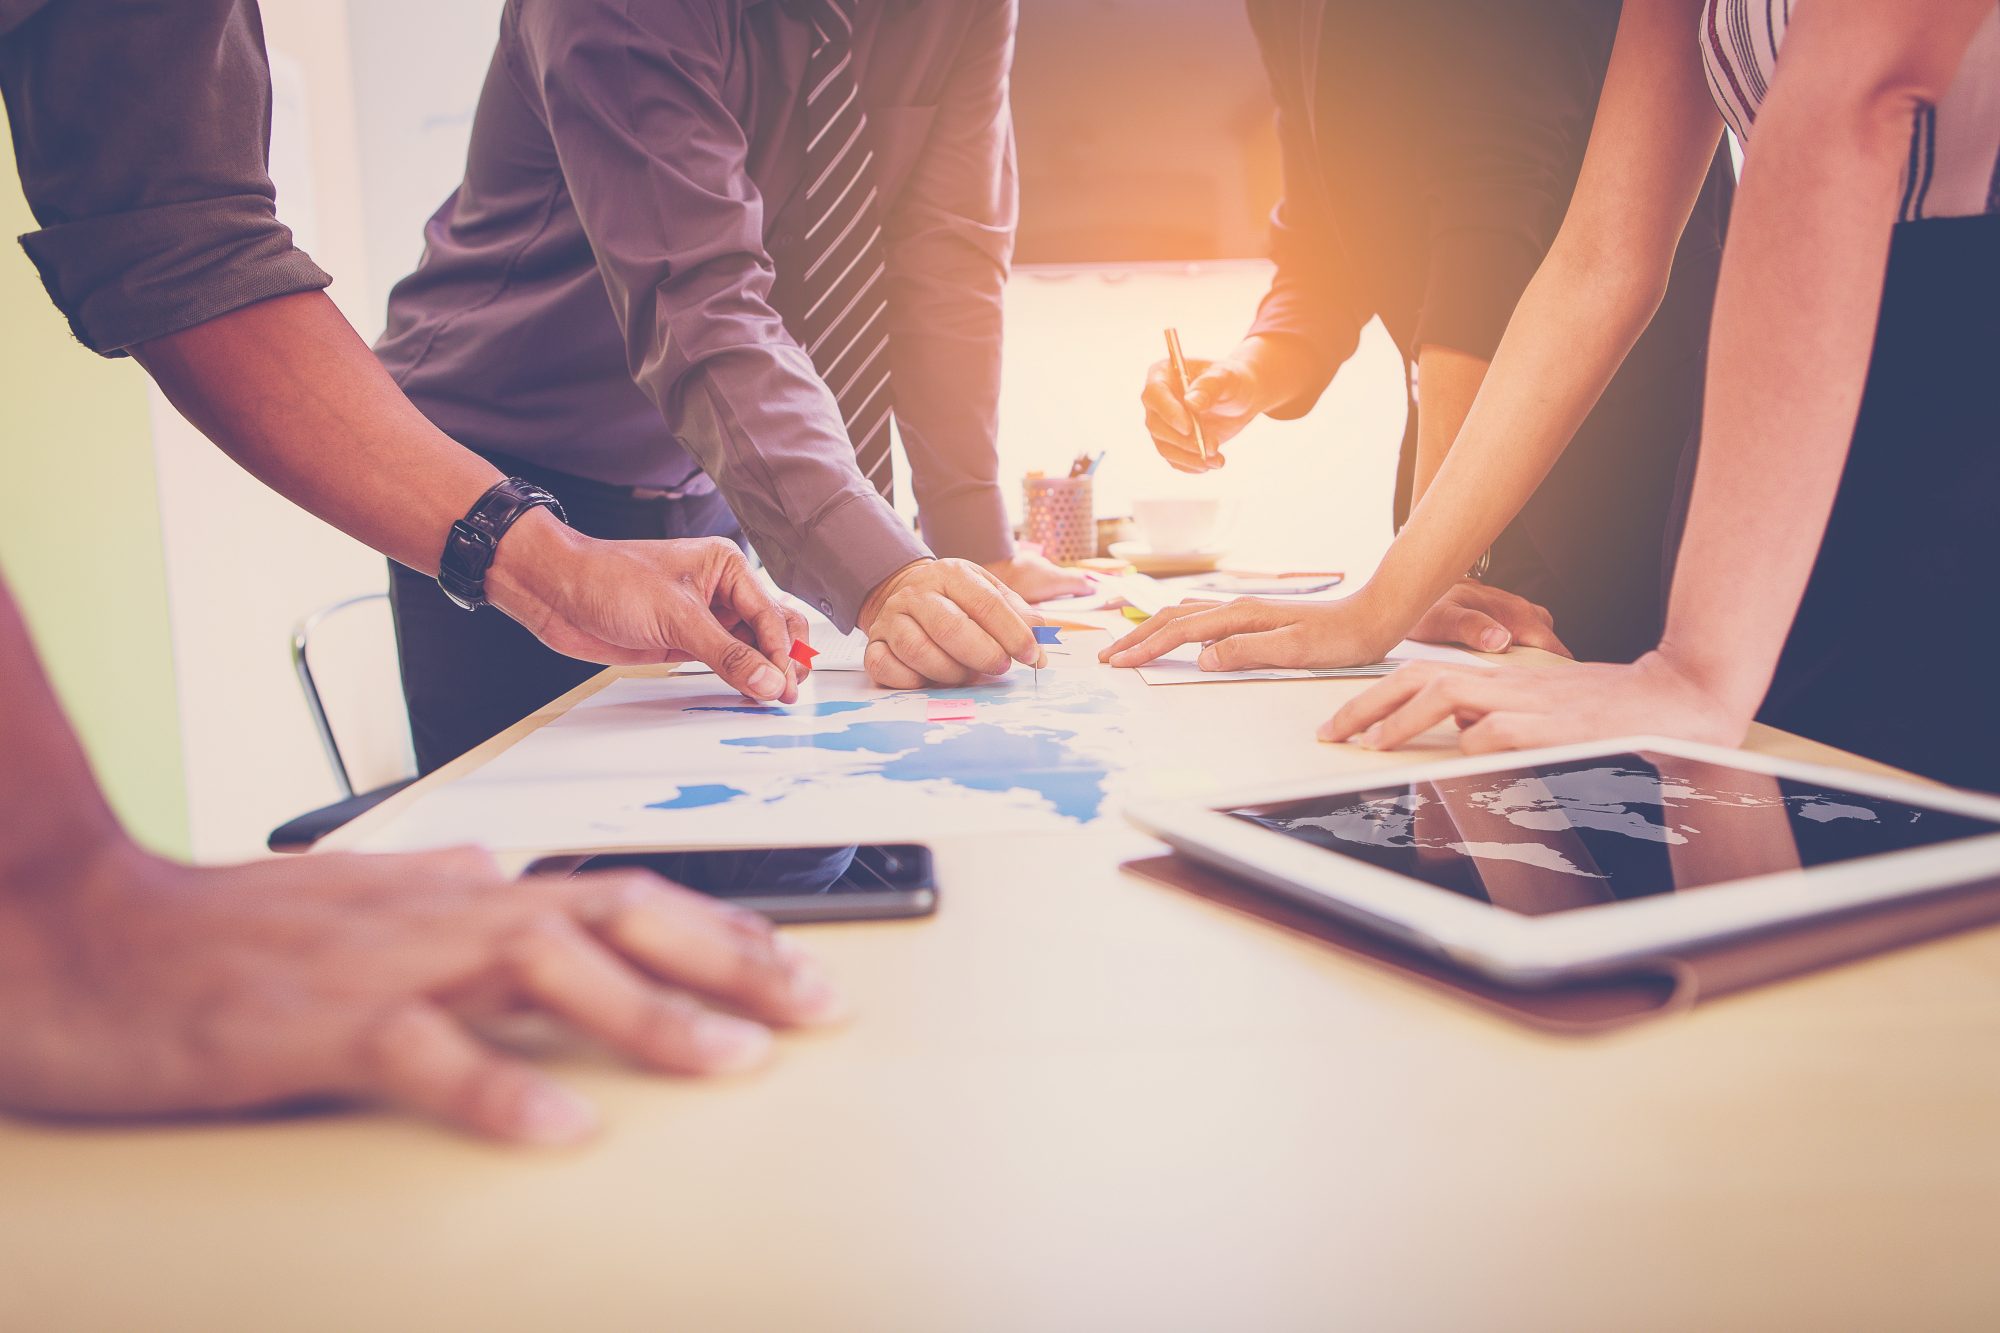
<point x="1060" y="518"/>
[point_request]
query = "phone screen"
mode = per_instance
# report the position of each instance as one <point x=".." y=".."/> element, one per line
<point x="791" y="883"/>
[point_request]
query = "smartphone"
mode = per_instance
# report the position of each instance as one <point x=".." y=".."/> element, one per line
<point x="790" y="884"/>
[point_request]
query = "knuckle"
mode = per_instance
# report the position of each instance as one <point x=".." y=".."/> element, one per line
<point x="398" y="1039"/>
<point x="664" y="1024"/>
<point x="535" y="949"/>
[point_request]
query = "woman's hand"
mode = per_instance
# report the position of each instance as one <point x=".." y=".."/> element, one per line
<point x="1512" y="708"/>
<point x="1262" y="373"/>
<point x="1256" y="632"/>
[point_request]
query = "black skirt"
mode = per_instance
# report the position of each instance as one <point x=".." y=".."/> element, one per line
<point x="1895" y="653"/>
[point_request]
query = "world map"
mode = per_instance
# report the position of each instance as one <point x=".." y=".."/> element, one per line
<point x="1554" y="807"/>
<point x="999" y="755"/>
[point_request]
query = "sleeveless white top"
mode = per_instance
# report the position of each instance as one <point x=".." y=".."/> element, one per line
<point x="1954" y="166"/>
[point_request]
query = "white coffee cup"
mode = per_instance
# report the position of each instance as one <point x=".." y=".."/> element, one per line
<point x="1177" y="526"/>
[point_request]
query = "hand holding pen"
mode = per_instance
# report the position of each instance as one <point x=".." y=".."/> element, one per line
<point x="1195" y="407"/>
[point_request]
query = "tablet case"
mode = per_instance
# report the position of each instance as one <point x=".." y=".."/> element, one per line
<point x="1648" y="990"/>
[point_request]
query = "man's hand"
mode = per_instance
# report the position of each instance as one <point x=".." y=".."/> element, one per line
<point x="139" y="987"/>
<point x="945" y="622"/>
<point x="1262" y="373"/>
<point x="1489" y="620"/>
<point x="631" y="602"/>
<point x="1038" y="579"/>
<point x="1512" y="708"/>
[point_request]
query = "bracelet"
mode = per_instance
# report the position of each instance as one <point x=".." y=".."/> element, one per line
<point x="470" y="547"/>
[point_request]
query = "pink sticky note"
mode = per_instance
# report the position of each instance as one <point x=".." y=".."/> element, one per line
<point x="951" y="710"/>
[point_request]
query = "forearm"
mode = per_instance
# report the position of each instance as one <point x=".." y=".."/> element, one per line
<point x="1448" y="381"/>
<point x="1796" y="307"/>
<point x="289" y="390"/>
<point x="1575" y="324"/>
<point x="55" y="816"/>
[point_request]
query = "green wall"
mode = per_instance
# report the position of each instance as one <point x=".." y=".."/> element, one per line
<point x="80" y="541"/>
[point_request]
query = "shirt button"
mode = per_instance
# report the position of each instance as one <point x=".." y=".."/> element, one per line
<point x="826" y="608"/>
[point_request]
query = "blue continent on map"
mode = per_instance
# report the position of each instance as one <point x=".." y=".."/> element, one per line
<point x="976" y="756"/>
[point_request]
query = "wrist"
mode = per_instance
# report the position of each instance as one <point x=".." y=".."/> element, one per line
<point x="535" y="566"/>
<point x="871" y="606"/>
<point x="1279" y="366"/>
<point x="1373" y="615"/>
<point x="1736" y="685"/>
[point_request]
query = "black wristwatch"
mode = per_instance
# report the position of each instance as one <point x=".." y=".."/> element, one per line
<point x="468" y="551"/>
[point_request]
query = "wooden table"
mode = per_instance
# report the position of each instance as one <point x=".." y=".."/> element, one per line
<point x="1078" y="1100"/>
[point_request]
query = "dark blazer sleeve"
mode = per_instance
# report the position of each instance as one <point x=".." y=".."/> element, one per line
<point x="143" y="133"/>
<point x="1516" y="93"/>
<point x="1311" y="297"/>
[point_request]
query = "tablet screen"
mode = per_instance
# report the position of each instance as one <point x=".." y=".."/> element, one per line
<point x="1551" y="838"/>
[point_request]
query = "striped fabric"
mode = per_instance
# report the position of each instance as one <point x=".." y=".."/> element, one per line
<point x="838" y="303"/>
<point x="1954" y="166"/>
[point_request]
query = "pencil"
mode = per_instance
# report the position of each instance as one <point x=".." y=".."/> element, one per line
<point x="1179" y="364"/>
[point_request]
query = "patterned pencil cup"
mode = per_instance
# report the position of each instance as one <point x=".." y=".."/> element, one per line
<point x="1061" y="519"/>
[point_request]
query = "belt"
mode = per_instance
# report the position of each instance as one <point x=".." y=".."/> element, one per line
<point x="565" y="484"/>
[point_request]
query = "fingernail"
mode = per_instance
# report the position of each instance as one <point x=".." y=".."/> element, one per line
<point x="726" y="1042"/>
<point x="553" y="1116"/>
<point x="767" y="681"/>
<point x="817" y="998"/>
<point x="1493" y="640"/>
<point x="1370" y="739"/>
<point x="1209" y="660"/>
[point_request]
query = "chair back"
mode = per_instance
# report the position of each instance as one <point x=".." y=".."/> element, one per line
<point x="345" y="655"/>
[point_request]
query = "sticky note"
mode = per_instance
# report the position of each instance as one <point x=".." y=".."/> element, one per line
<point x="802" y="653"/>
<point x="1047" y="633"/>
<point x="951" y="710"/>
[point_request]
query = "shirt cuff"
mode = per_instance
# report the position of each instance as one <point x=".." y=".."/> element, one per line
<point x="847" y="553"/>
<point x="127" y="278"/>
<point x="1280" y="314"/>
<point x="972" y="525"/>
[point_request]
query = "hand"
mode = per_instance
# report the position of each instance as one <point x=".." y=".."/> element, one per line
<point x="945" y="622"/>
<point x="1262" y="373"/>
<point x="630" y="602"/>
<point x="1036" y="578"/>
<point x="1488" y="620"/>
<point x="139" y="987"/>
<point x="1257" y="632"/>
<point x="1510" y="708"/>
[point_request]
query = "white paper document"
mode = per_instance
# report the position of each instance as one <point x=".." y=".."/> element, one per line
<point x="1180" y="667"/>
<point x="682" y="761"/>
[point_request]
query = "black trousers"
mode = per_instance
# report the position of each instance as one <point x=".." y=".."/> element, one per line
<point x="1895" y="652"/>
<point x="469" y="675"/>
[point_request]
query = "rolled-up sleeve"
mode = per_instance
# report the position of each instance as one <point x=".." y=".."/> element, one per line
<point x="1310" y="298"/>
<point x="950" y="239"/>
<point x="142" y="131"/>
<point x="656" y="166"/>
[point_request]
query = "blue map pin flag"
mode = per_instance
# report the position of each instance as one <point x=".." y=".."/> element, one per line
<point x="1046" y="633"/>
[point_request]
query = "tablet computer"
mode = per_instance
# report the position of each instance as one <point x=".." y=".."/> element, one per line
<point x="1540" y="865"/>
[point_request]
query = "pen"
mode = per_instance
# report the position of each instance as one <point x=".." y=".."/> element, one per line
<point x="1179" y="363"/>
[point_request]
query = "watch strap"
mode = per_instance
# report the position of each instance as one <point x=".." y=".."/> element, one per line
<point x="470" y="546"/>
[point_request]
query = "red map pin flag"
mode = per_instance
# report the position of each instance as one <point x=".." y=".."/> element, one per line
<point x="802" y="653"/>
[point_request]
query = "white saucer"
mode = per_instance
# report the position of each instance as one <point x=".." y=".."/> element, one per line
<point x="1163" y="564"/>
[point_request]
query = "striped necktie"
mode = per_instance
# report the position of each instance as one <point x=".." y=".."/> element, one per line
<point x="837" y="304"/>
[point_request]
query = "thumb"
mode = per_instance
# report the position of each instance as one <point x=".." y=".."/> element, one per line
<point x="1479" y="631"/>
<point x="738" y="664"/>
<point x="1221" y="383"/>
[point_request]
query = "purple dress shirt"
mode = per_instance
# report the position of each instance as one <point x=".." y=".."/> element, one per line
<point x="595" y="296"/>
